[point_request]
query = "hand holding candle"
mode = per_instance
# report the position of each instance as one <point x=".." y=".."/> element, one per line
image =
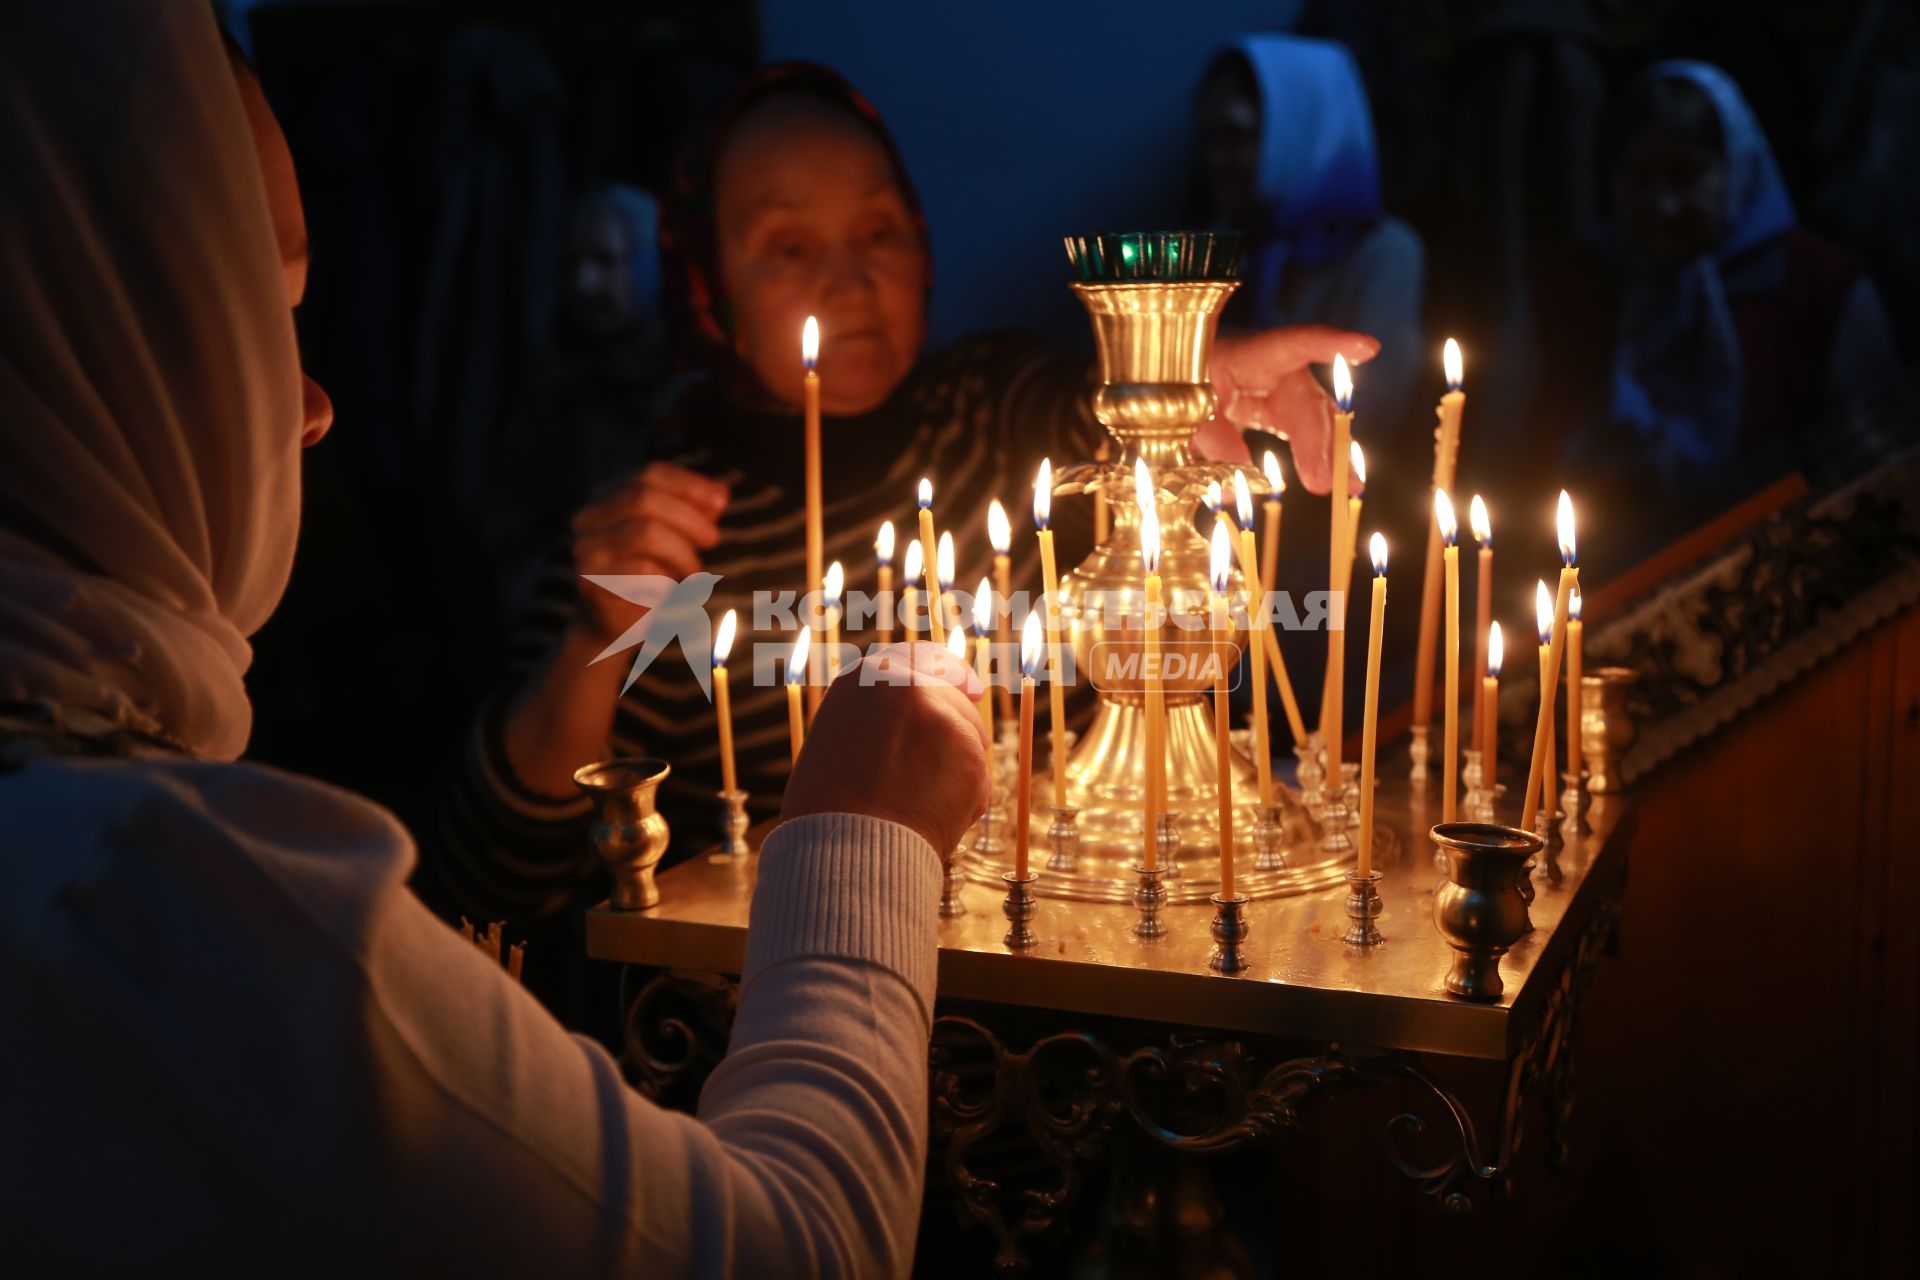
<point x="1030" y="654"/>
<point x="1370" y="714"/>
<point x="722" y="702"/>
<point x="1569" y="579"/>
<point x="1450" y="713"/>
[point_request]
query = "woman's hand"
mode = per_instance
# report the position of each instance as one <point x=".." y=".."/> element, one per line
<point x="655" y="522"/>
<point x="1263" y="381"/>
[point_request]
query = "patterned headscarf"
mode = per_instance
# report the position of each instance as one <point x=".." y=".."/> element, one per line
<point x="688" y="240"/>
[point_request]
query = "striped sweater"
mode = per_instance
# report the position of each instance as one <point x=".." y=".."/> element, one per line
<point x="976" y="419"/>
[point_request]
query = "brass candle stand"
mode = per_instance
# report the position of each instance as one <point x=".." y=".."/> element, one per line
<point x="1019" y="909"/>
<point x="628" y="832"/>
<point x="1229" y="931"/>
<point x="1063" y="841"/>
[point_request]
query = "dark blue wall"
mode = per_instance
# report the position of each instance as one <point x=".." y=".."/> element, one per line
<point x="1023" y="122"/>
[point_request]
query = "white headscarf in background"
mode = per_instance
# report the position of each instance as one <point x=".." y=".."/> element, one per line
<point x="150" y="393"/>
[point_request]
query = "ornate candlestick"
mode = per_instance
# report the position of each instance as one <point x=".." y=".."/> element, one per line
<point x="1606" y="726"/>
<point x="1229" y="933"/>
<point x="1363" y="908"/>
<point x="1573" y="805"/>
<point x="1334" y="822"/>
<point x="733" y="826"/>
<point x="1149" y="898"/>
<point x="1269" y="831"/>
<point x="1063" y="838"/>
<point x="1481" y="910"/>
<point x="628" y="832"/>
<point x="1019" y="909"/>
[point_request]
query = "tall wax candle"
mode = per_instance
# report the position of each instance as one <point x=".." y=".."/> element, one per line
<point x="1030" y="651"/>
<point x="1050" y="579"/>
<point x="1258" y="633"/>
<point x="1156" y="705"/>
<point x="1450" y="713"/>
<point x="810" y="397"/>
<point x="835" y="588"/>
<point x="1543" y="620"/>
<point x="944" y="569"/>
<point x="1490" y="735"/>
<point x="1000" y="538"/>
<point x="1221" y="577"/>
<point x="1575" y="660"/>
<point x="1271" y="509"/>
<point x="1482" y="527"/>
<point x="909" y="598"/>
<point x="929" y="556"/>
<point x="722" y="701"/>
<point x="883" y="589"/>
<point x="1356" y="475"/>
<point x="1261" y="637"/>
<point x="1370" y="715"/>
<point x="1569" y="579"/>
<point x="983" y="612"/>
<point x="1446" y="445"/>
<point x="1332" y="714"/>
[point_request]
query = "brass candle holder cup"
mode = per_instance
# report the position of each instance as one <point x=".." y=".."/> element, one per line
<point x="733" y="827"/>
<point x="1149" y="898"/>
<point x="1480" y="910"/>
<point x="1606" y="726"/>
<point x="627" y="832"/>
<point x="1063" y="840"/>
<point x="1363" y="908"/>
<point x="1229" y="933"/>
<point x="1019" y="909"/>
<point x="1334" y="822"/>
<point x="1269" y="833"/>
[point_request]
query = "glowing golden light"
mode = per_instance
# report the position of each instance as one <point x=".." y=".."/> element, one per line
<point x="1450" y="357"/>
<point x="723" y="638"/>
<point x="1357" y="459"/>
<point x="1543" y="611"/>
<point x="1043" y="494"/>
<point x="1275" y="481"/>
<point x="1220" y="561"/>
<point x="983" y="608"/>
<point x="916" y="563"/>
<point x="810" y="344"/>
<point x="1033" y="644"/>
<point x="836" y="582"/>
<point x="1342" y="384"/>
<point x="1242" y="502"/>
<point x="883" y="543"/>
<point x="999" y="531"/>
<point x="926" y="493"/>
<point x="1496" y="650"/>
<point x="797" y="660"/>
<point x="1443" y="512"/>
<point x="1377" y="548"/>
<point x="1479" y="521"/>
<point x="943" y="561"/>
<point x="1567" y="549"/>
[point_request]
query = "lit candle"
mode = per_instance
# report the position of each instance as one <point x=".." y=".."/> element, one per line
<point x="1446" y="445"/>
<point x="909" y="602"/>
<point x="1264" y="639"/>
<point x="810" y="386"/>
<point x="836" y="585"/>
<point x="929" y="550"/>
<point x="1258" y="634"/>
<point x="1543" y="626"/>
<point x="1000" y="538"/>
<point x="1357" y="465"/>
<point x="1569" y="579"/>
<point x="1030" y="649"/>
<point x="796" y="677"/>
<point x="1370" y="715"/>
<point x="1222" y="578"/>
<point x="1574" y="663"/>
<point x="1156" y="690"/>
<point x="1332" y="714"/>
<point x="883" y="553"/>
<point x="1270" y="535"/>
<point x="957" y="647"/>
<point x="1490" y="734"/>
<point x="1450" y="714"/>
<point x="1050" y="576"/>
<point x="983" y="614"/>
<point x="1482" y="527"/>
<point x="722" y="701"/>
<point x="944" y="566"/>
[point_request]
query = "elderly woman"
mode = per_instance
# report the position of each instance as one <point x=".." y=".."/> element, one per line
<point x="233" y="1039"/>
<point x="797" y="203"/>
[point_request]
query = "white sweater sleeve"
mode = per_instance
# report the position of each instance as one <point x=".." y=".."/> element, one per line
<point x="340" y="1080"/>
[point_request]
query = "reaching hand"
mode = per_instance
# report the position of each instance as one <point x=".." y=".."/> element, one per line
<point x="1263" y="381"/>
<point x="912" y="753"/>
<point x="657" y="521"/>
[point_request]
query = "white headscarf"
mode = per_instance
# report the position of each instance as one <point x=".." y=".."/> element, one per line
<point x="150" y="392"/>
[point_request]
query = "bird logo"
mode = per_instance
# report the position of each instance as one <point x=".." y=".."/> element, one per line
<point x="676" y="610"/>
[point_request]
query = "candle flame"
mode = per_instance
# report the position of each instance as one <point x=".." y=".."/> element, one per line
<point x="810" y="344"/>
<point x="957" y="643"/>
<point x="1357" y="461"/>
<point x="999" y="532"/>
<point x="883" y="543"/>
<point x="1443" y="512"/>
<point x="983" y="608"/>
<point x="1377" y="548"/>
<point x="836" y="582"/>
<point x="1033" y="643"/>
<point x="1220" y="561"/>
<point x="1567" y="556"/>
<point x="1480" y="522"/>
<point x="1450" y="357"/>
<point x="723" y="638"/>
<point x="1214" y="497"/>
<point x="1043" y="494"/>
<point x="1342" y="384"/>
<point x="1573" y="605"/>
<point x="916" y="563"/>
<point x="926" y="493"/>
<point x="1543" y="611"/>
<point x="1496" y="651"/>
<point x="1242" y="502"/>
<point x="1142" y="485"/>
<point x="1276" y="482"/>
<point x="797" y="660"/>
<point x="943" y="561"/>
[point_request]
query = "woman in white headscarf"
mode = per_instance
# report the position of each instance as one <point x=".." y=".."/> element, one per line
<point x="229" y="1030"/>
